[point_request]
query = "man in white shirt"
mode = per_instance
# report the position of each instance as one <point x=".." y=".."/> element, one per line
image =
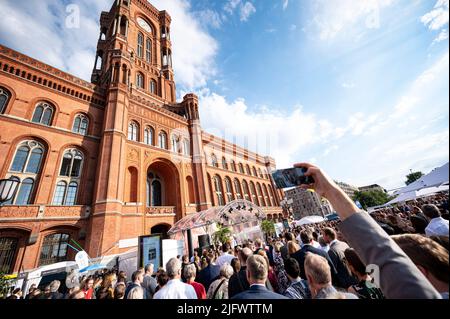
<point x="175" y="288"/>
<point x="226" y="257"/>
<point x="437" y="226"/>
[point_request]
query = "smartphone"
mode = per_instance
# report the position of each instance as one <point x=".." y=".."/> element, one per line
<point x="291" y="177"/>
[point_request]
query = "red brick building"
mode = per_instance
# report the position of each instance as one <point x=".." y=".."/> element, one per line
<point x="112" y="159"/>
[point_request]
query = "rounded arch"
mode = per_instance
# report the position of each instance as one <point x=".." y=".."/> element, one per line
<point x="132" y="185"/>
<point x="89" y="116"/>
<point x="161" y="228"/>
<point x="150" y="23"/>
<point x="34" y="103"/>
<point x="11" y="98"/>
<point x="190" y="188"/>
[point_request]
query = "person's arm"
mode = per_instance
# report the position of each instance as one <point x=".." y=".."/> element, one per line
<point x="399" y="277"/>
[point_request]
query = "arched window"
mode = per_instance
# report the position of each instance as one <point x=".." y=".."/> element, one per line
<point x="219" y="190"/>
<point x="241" y="168"/>
<point x="214" y="162"/>
<point x="54" y="249"/>
<point x="140" y="80"/>
<point x="262" y="202"/>
<point x="233" y="166"/>
<point x="190" y="188"/>
<point x="187" y="147"/>
<point x="140" y="45"/>
<point x="4" y="98"/>
<point x="154" y="190"/>
<point x="25" y="168"/>
<point x="229" y="189"/>
<point x="162" y="140"/>
<point x="131" y="185"/>
<point x="149" y="135"/>
<point x="43" y="114"/>
<point x="224" y="163"/>
<point x="66" y="190"/>
<point x="260" y="173"/>
<point x="153" y="86"/>
<point x="148" y="51"/>
<point x="175" y="143"/>
<point x="8" y="248"/>
<point x="246" y="191"/>
<point x="266" y="196"/>
<point x="253" y="192"/>
<point x="71" y="164"/>
<point x="255" y="173"/>
<point x="272" y="198"/>
<point x="237" y="189"/>
<point x="247" y="167"/>
<point x="80" y="124"/>
<point x="133" y="131"/>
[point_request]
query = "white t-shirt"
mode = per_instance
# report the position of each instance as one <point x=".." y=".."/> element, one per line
<point x="176" y="289"/>
<point x="224" y="259"/>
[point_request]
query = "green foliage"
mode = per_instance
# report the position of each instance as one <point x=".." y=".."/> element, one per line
<point x="268" y="227"/>
<point x="411" y="178"/>
<point x="372" y="198"/>
<point x="221" y="236"/>
<point x="5" y="284"/>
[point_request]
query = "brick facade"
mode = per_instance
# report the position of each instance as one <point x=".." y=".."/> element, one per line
<point x="129" y="184"/>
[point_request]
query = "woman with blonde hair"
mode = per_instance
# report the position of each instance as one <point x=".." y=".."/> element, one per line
<point x="293" y="247"/>
<point x="106" y="290"/>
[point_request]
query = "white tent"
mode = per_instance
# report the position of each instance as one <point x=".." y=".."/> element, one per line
<point x="309" y="220"/>
<point x="436" y="177"/>
<point x="404" y="197"/>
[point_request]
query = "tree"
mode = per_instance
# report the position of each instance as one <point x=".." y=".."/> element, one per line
<point x="372" y="198"/>
<point x="5" y="284"/>
<point x="268" y="227"/>
<point x="414" y="176"/>
<point x="222" y="235"/>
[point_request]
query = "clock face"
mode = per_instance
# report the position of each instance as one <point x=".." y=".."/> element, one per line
<point x="144" y="25"/>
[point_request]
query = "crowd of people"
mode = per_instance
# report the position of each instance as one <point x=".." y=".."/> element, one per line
<point x="400" y="252"/>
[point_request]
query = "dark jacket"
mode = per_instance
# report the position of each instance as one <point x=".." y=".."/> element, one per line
<point x="238" y="283"/>
<point x="337" y="256"/>
<point x="300" y="257"/>
<point x="208" y="275"/>
<point x="258" y="292"/>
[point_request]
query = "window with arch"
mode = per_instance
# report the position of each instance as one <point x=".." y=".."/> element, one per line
<point x="214" y="162"/>
<point x="25" y="168"/>
<point x="241" y="168"/>
<point x="162" y="140"/>
<point x="175" y="143"/>
<point x="80" y="124"/>
<point x="272" y="197"/>
<point x="154" y="190"/>
<point x="233" y="166"/>
<point x="224" y="163"/>
<point x="186" y="147"/>
<point x="260" y="173"/>
<point x="253" y="192"/>
<point x="261" y="200"/>
<point x="43" y="114"/>
<point x="246" y="190"/>
<point x="4" y="99"/>
<point x="229" y="189"/>
<point x="148" y="51"/>
<point x="8" y="248"/>
<point x="266" y="196"/>
<point x="247" y="167"/>
<point x="54" y="249"/>
<point x="149" y="135"/>
<point x="255" y="173"/>
<point x="66" y="190"/>
<point x="140" y="80"/>
<point x="153" y="87"/>
<point x="133" y="131"/>
<point x="237" y="189"/>
<point x="140" y="45"/>
<point x="218" y="190"/>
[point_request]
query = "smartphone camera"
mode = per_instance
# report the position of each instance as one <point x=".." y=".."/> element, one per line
<point x="291" y="177"/>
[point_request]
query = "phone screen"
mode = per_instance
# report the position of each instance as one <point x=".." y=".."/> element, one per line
<point x="291" y="177"/>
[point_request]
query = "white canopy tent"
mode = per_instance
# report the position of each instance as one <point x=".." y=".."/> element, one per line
<point x="435" y="178"/>
<point x="404" y="197"/>
<point x="309" y="220"/>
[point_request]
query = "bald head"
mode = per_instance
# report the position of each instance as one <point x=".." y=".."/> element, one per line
<point x="317" y="269"/>
<point x="245" y="254"/>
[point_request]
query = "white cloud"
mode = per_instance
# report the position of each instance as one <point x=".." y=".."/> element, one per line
<point x="348" y="85"/>
<point x="285" y="4"/>
<point x="443" y="35"/>
<point x="333" y="18"/>
<point x="210" y="17"/>
<point x="247" y="10"/>
<point x="194" y="50"/>
<point x="330" y="149"/>
<point x="231" y="5"/>
<point x="438" y="17"/>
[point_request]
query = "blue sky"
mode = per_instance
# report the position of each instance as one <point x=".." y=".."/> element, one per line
<point x="359" y="87"/>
